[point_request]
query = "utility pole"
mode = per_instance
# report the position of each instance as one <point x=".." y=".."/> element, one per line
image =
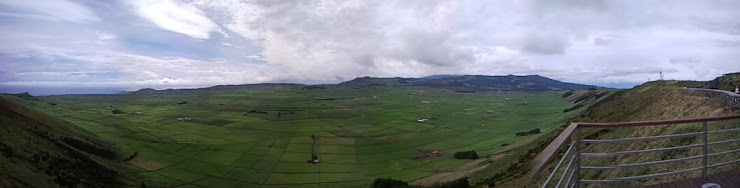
<point x="661" y="75"/>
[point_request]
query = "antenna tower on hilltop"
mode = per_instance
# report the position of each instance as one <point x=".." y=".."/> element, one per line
<point x="661" y="75"/>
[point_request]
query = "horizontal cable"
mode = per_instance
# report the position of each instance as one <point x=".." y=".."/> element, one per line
<point x="614" y="154"/>
<point x="639" y="151"/>
<point x="590" y="141"/>
<point x="640" y="164"/>
<point x="651" y="123"/>
<point x="649" y="176"/>
<point x="657" y="162"/>
<point x="723" y="164"/>
<point x="587" y="141"/>
<point x="723" y="142"/>
<point x="724" y="131"/>
<point x="723" y="153"/>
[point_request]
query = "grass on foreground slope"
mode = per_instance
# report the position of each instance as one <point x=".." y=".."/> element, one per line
<point x="658" y="100"/>
<point x="33" y="152"/>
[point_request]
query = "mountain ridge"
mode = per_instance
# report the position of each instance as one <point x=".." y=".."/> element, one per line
<point x="455" y="82"/>
<point x="474" y="82"/>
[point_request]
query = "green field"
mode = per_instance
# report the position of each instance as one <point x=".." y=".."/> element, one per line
<point x="363" y="132"/>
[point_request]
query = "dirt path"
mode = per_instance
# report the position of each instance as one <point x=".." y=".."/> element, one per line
<point x="446" y="176"/>
<point x="457" y="173"/>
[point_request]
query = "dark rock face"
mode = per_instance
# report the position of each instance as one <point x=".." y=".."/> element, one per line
<point x="730" y="98"/>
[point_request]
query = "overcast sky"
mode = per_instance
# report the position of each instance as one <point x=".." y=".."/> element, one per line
<point x="86" y="46"/>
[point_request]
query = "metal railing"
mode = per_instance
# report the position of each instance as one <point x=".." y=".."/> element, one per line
<point x="567" y="171"/>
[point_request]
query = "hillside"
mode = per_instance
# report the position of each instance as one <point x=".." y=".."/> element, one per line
<point x="727" y="82"/>
<point x="651" y="101"/>
<point x="506" y="168"/>
<point x="473" y="83"/>
<point x="656" y="100"/>
<point x="39" y="151"/>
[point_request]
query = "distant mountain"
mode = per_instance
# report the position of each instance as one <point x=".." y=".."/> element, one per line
<point x="216" y="88"/>
<point x="473" y="82"/>
<point x="438" y="76"/>
<point x="455" y="82"/>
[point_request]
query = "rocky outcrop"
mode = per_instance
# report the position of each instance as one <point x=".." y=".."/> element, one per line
<point x="730" y="98"/>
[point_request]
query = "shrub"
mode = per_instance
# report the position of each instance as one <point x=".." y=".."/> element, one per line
<point x="531" y="132"/>
<point x="573" y="108"/>
<point x="389" y="183"/>
<point x="131" y="157"/>
<point x="458" y="183"/>
<point x="89" y="148"/>
<point x="566" y="94"/>
<point x="583" y="97"/>
<point x="466" y="155"/>
<point x="6" y="150"/>
<point x="600" y="95"/>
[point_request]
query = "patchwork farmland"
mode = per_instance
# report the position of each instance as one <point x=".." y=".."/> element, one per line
<point x="265" y="136"/>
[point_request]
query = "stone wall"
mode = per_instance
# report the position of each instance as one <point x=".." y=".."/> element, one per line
<point x="732" y="99"/>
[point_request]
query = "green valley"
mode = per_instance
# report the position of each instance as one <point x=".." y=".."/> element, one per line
<point x="266" y="135"/>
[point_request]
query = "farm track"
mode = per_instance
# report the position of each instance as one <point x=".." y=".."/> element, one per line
<point x="273" y="167"/>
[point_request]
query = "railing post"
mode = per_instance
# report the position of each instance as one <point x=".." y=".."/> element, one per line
<point x="575" y="138"/>
<point x="704" y="150"/>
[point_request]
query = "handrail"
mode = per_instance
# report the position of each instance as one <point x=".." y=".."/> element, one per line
<point x="541" y="161"/>
<point x="544" y="157"/>
<point x="559" y="162"/>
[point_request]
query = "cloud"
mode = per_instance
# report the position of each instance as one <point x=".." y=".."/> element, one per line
<point x="52" y="10"/>
<point x="180" y="18"/>
<point x="171" y="44"/>
<point x="351" y="37"/>
<point x="106" y="36"/>
<point x="544" y="45"/>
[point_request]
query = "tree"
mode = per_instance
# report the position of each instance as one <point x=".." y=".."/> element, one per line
<point x="466" y="155"/>
<point x="389" y="183"/>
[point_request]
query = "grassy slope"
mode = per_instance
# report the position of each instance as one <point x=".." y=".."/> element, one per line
<point x="656" y="101"/>
<point x="506" y="169"/>
<point x="32" y="154"/>
<point x="651" y="101"/>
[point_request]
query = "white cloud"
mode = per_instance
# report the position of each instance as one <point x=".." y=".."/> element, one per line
<point x="328" y="41"/>
<point x="180" y="18"/>
<point x="106" y="36"/>
<point x="53" y="10"/>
